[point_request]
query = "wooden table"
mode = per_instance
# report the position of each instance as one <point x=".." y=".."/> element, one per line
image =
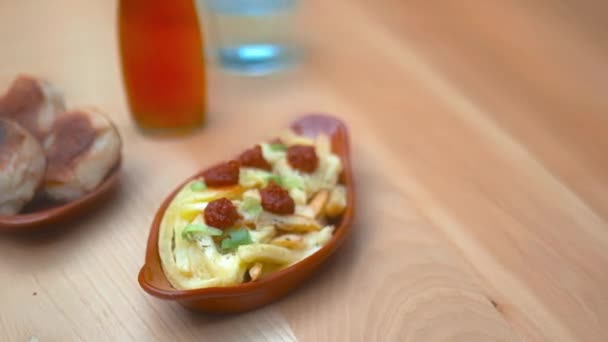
<point x="480" y="146"/>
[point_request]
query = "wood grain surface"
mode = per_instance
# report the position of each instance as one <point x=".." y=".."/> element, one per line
<point x="480" y="131"/>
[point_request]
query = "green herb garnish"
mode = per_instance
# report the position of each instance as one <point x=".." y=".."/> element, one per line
<point x="236" y="238"/>
<point x="278" y="180"/>
<point x="193" y="229"/>
<point x="277" y="147"/>
<point x="198" y="186"/>
<point x="251" y="206"/>
<point x="291" y="182"/>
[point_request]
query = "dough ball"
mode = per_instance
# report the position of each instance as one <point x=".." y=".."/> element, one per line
<point x="33" y="103"/>
<point x="22" y="167"/>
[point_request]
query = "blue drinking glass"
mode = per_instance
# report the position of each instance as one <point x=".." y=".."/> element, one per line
<point x="253" y="37"/>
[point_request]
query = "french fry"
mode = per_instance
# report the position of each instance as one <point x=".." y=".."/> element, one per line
<point x="337" y="201"/>
<point x="264" y="252"/>
<point x="255" y="271"/>
<point x="322" y="146"/>
<point x="290" y="223"/>
<point x="298" y="195"/>
<point x="189" y="210"/>
<point x="291" y="241"/>
<point x="304" y="210"/>
<point x="318" y="202"/>
<point x="263" y="234"/>
<point x="318" y="239"/>
<point x="330" y="170"/>
<point x="252" y="193"/>
<point x="208" y="195"/>
<point x="290" y="138"/>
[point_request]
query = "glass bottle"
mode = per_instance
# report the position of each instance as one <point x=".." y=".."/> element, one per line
<point x="163" y="66"/>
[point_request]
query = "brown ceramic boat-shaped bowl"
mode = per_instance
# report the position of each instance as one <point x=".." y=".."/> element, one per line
<point x="252" y="295"/>
<point x="44" y="215"/>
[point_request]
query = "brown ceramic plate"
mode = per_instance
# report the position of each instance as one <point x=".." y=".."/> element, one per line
<point x="252" y="295"/>
<point x="43" y="215"/>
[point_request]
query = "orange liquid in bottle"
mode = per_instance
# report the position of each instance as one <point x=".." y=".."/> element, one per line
<point x="162" y="63"/>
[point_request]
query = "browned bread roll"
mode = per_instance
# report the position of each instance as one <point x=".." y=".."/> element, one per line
<point x="22" y="167"/>
<point x="33" y="103"/>
<point x="81" y="148"/>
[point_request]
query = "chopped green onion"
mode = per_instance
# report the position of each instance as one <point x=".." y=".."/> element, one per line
<point x="236" y="238"/>
<point x="275" y="178"/>
<point x="277" y="147"/>
<point x="198" y="228"/>
<point x="228" y="245"/>
<point x="292" y="182"/>
<point x="253" y="177"/>
<point x="198" y="186"/>
<point x="240" y="236"/>
<point x="251" y="206"/>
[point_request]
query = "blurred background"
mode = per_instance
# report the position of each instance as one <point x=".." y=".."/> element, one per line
<point x="479" y="144"/>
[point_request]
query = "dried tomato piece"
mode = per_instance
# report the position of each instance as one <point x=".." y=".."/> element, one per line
<point x="223" y="174"/>
<point x="220" y="213"/>
<point x="253" y="157"/>
<point x="277" y="200"/>
<point x="303" y="158"/>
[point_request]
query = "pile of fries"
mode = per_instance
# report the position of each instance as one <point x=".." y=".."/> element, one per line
<point x="196" y="256"/>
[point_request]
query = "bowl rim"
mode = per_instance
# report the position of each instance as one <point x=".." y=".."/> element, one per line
<point x="39" y="218"/>
<point x="340" y="234"/>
